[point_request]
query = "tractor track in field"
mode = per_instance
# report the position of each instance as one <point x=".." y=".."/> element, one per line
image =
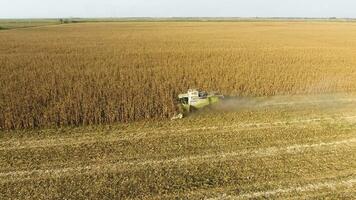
<point x="100" y="168"/>
<point x="330" y="185"/>
<point x="276" y="123"/>
<point x="136" y="135"/>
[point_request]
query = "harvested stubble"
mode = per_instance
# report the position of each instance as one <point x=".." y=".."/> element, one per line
<point x="95" y="73"/>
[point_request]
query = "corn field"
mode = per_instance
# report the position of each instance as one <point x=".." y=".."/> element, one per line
<point x="101" y="73"/>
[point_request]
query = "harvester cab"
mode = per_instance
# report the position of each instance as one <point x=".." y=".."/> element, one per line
<point x="195" y="100"/>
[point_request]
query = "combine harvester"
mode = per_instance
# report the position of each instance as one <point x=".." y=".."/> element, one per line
<point x="195" y="100"/>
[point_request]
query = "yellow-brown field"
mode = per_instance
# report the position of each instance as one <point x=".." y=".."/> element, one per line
<point x="291" y="135"/>
<point x="96" y="73"/>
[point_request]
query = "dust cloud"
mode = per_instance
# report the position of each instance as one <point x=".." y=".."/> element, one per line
<point x="320" y="101"/>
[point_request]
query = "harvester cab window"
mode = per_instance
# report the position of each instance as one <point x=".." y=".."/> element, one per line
<point x="184" y="100"/>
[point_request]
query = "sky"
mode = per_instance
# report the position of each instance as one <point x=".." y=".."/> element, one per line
<point x="176" y="8"/>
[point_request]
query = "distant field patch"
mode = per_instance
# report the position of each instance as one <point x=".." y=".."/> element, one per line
<point x="24" y="23"/>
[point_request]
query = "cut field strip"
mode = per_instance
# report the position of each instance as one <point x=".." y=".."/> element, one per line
<point x="304" y="102"/>
<point x="42" y="143"/>
<point x="264" y="152"/>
